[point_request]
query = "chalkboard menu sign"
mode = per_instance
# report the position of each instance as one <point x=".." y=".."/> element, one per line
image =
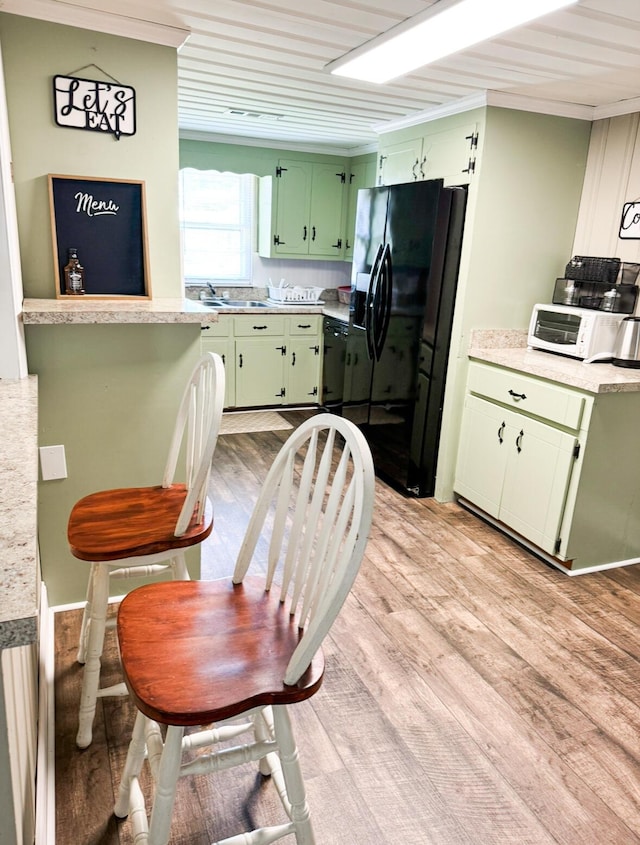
<point x="104" y="222"/>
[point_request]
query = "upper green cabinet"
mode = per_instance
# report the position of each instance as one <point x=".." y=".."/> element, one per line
<point x="448" y="154"/>
<point x="363" y="175"/>
<point x="302" y="210"/>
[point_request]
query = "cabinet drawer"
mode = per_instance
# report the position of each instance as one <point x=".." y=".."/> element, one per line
<point x="528" y="395"/>
<point x="257" y="325"/>
<point x="304" y="324"/>
<point x="223" y="328"/>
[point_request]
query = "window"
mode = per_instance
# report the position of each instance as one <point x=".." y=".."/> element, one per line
<point x="217" y="224"/>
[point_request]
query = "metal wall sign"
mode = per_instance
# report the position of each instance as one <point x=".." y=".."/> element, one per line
<point x="94" y="106"/>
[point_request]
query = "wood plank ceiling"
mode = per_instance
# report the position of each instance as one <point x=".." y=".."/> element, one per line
<point x="254" y="69"/>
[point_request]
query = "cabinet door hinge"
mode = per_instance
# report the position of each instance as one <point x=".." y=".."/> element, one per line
<point x="282" y="393"/>
<point x="473" y="140"/>
<point x="556" y="548"/>
<point x="277" y="241"/>
<point x="343" y="176"/>
<point x="576" y="450"/>
<point x="471" y="168"/>
<point x="315" y="349"/>
<point x="337" y="245"/>
<point x="314" y="392"/>
<point x="280" y="171"/>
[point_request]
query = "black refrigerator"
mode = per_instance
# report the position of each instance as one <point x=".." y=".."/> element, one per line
<point x="403" y="285"/>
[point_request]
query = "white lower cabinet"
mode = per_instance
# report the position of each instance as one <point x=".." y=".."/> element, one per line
<point x="558" y="466"/>
<point x="270" y="360"/>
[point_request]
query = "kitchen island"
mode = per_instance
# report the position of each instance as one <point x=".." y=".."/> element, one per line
<point x="549" y="452"/>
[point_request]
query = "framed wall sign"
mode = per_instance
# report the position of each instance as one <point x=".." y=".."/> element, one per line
<point x="95" y="106"/>
<point x="104" y="221"/>
<point x="630" y="222"/>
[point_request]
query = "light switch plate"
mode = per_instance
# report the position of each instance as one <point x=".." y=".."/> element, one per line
<point x="53" y="462"/>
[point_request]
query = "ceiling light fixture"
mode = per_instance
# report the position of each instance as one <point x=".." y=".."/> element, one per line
<point x="446" y="27"/>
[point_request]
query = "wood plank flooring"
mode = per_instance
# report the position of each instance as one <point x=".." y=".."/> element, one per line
<point x="473" y="694"/>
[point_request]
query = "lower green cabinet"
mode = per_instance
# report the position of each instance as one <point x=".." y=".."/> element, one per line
<point x="270" y="360"/>
<point x="218" y="338"/>
<point x="554" y="464"/>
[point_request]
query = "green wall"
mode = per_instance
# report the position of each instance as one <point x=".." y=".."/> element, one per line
<point x="33" y="53"/>
<point x="107" y="393"/>
<point x="110" y="394"/>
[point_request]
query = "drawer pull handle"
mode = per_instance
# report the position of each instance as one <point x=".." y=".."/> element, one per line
<point x="519" y="441"/>
<point x="240" y="360"/>
<point x="501" y="432"/>
<point x="259" y="328"/>
<point x="304" y="325"/>
<point x="517" y="395"/>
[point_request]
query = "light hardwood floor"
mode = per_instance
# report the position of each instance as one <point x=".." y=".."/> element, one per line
<point x="473" y="694"/>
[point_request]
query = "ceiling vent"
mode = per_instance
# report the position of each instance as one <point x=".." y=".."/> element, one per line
<point x="254" y="115"/>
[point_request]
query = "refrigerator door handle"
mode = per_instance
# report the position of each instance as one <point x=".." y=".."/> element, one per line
<point x="370" y="302"/>
<point x="382" y="309"/>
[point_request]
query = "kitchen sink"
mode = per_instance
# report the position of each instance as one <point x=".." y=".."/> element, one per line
<point x="235" y="303"/>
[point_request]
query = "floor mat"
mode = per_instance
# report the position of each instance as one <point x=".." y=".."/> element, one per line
<point x="243" y="421"/>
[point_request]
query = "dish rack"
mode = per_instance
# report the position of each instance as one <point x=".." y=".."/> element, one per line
<point x="294" y="294"/>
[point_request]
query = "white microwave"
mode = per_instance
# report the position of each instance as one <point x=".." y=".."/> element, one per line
<point x="576" y="332"/>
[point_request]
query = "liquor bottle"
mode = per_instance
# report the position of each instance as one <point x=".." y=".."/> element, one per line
<point x="73" y="274"/>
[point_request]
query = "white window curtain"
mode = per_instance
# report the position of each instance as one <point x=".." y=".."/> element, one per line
<point x="218" y="225"/>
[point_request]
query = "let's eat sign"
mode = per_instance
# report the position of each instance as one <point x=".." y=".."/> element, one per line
<point x="95" y="106"/>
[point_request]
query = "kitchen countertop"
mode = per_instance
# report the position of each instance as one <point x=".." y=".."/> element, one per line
<point x="100" y="311"/>
<point x="19" y="588"/>
<point x="508" y="349"/>
<point x="83" y="311"/>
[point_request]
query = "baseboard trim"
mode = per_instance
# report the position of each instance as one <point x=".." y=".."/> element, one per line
<point x="535" y="550"/>
<point x="46" y="770"/>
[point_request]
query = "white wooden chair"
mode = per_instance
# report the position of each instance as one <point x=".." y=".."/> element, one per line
<point x="197" y="653"/>
<point x="143" y="531"/>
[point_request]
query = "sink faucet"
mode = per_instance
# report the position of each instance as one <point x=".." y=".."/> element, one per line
<point x="212" y="289"/>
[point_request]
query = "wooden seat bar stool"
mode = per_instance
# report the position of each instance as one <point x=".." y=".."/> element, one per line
<point x="144" y="531"/>
<point x="199" y="653"/>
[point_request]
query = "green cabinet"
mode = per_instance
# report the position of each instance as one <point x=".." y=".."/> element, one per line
<point x="515" y="468"/>
<point x="433" y="153"/>
<point x="301" y="210"/>
<point x="363" y="175"/>
<point x="218" y="338"/>
<point x="270" y="360"/>
<point x="304" y="360"/>
<point x="554" y="465"/>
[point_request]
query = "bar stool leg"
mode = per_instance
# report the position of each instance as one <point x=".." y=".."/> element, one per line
<point x="91" y="679"/>
<point x="86" y="616"/>
<point x="165" y="795"/>
<point x="293" y="776"/>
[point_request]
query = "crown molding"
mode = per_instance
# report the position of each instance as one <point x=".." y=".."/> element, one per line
<point x="57" y="11"/>
<point x="294" y="146"/>
<point x="502" y="100"/>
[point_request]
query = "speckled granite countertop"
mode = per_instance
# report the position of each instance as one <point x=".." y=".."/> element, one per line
<point x="508" y="349"/>
<point x="91" y="311"/>
<point x="19" y="582"/>
<point x="101" y="311"/>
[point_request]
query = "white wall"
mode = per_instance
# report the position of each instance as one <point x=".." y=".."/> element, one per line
<point x="612" y="178"/>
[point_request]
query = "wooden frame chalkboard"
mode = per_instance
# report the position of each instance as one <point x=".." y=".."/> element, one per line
<point x="104" y="219"/>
